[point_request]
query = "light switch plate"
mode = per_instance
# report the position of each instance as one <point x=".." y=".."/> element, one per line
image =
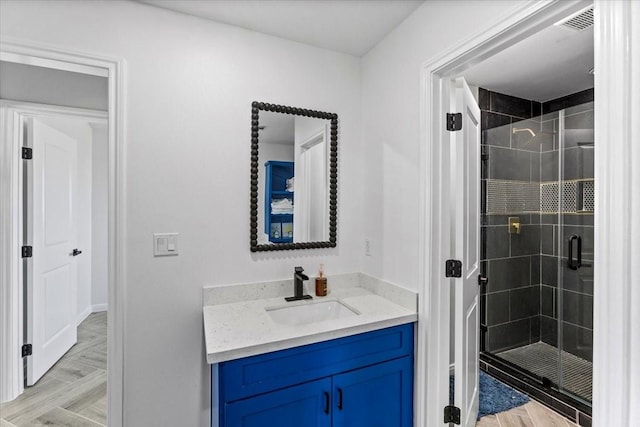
<point x="165" y="244"/>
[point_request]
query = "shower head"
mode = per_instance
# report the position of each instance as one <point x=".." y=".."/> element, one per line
<point x="516" y="130"/>
<point x="533" y="134"/>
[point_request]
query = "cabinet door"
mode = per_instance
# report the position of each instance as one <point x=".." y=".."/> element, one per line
<point x="378" y="396"/>
<point x="306" y="405"/>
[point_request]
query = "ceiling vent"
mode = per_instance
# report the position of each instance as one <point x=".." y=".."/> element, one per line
<point x="580" y="21"/>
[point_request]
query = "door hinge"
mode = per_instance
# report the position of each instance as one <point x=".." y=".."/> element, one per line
<point x="454" y="121"/>
<point x="453" y="268"/>
<point x="451" y="414"/>
<point x="27" y="252"/>
<point x="482" y="280"/>
<point x="27" y="153"/>
<point x="27" y="350"/>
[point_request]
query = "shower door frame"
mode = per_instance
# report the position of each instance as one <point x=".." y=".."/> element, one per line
<point x="555" y="394"/>
<point x="615" y="332"/>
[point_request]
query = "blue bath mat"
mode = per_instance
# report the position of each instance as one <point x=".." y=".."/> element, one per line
<point x="494" y="396"/>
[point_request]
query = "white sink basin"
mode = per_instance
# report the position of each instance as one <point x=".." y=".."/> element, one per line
<point x="310" y="312"/>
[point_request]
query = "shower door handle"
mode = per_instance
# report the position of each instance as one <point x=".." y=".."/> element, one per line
<point x="572" y="263"/>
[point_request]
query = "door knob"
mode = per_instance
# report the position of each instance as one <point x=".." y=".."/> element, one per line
<point x="76" y="252"/>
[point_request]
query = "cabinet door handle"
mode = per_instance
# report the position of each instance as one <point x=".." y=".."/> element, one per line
<point x="326" y="402"/>
<point x="339" y="398"/>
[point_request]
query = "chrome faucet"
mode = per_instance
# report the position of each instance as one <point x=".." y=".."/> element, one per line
<point x="298" y="279"/>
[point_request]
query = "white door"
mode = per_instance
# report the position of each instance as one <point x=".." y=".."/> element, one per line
<point x="466" y="181"/>
<point x="51" y="274"/>
<point x="311" y="210"/>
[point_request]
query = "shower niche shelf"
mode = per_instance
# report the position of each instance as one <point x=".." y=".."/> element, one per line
<point x="516" y="197"/>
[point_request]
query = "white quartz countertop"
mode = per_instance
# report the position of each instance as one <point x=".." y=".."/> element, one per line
<point x="244" y="328"/>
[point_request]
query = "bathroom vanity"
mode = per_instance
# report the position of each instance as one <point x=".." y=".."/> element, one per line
<point x="361" y="380"/>
<point x="341" y="360"/>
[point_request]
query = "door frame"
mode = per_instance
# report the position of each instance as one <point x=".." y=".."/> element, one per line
<point x="613" y="340"/>
<point x="28" y="52"/>
<point x="14" y="113"/>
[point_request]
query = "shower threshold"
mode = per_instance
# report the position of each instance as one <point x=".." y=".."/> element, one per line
<point x="542" y="359"/>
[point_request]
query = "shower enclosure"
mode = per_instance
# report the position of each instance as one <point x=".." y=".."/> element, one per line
<point x="537" y="245"/>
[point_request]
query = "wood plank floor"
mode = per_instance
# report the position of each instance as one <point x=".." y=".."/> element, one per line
<point x="74" y="391"/>
<point x="532" y="414"/>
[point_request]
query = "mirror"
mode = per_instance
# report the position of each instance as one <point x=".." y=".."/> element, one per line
<point x="294" y="178"/>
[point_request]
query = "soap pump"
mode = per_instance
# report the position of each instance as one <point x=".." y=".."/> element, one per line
<point x="321" y="283"/>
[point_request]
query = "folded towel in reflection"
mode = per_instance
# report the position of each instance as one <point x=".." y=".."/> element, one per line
<point x="282" y="203"/>
<point x="282" y="206"/>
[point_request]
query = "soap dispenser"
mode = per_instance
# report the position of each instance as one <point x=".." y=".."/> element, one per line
<point x="321" y="283"/>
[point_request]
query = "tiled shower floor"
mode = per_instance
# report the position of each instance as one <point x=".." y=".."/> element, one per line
<point x="542" y="359"/>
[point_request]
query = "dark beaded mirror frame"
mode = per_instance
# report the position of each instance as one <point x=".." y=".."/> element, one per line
<point x="256" y="107"/>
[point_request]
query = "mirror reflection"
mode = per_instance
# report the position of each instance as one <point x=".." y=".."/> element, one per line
<point x="294" y="179"/>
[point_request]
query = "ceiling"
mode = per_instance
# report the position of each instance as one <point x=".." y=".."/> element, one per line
<point x="352" y="27"/>
<point x="547" y="65"/>
<point x="277" y="128"/>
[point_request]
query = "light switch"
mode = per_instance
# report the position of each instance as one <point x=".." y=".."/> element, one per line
<point x="165" y="244"/>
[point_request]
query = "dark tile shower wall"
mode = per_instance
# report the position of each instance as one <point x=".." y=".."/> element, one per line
<point x="511" y="262"/>
<point x="568" y="101"/>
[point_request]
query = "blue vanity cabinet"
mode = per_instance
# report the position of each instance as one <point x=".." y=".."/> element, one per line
<point x="380" y="395"/>
<point x="278" y="226"/>
<point x="303" y="405"/>
<point x="361" y="380"/>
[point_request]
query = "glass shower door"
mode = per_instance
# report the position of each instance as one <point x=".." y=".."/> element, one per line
<point x="560" y="351"/>
<point x="575" y="244"/>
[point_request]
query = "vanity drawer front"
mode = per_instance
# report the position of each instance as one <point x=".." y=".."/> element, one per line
<point x="266" y="372"/>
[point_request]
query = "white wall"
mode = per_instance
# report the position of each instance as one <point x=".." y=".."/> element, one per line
<point x="391" y="74"/>
<point x="99" y="217"/>
<point x="189" y="88"/>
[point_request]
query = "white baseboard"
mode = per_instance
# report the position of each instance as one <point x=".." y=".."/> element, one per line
<point x="96" y="308"/>
<point x="85" y="313"/>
